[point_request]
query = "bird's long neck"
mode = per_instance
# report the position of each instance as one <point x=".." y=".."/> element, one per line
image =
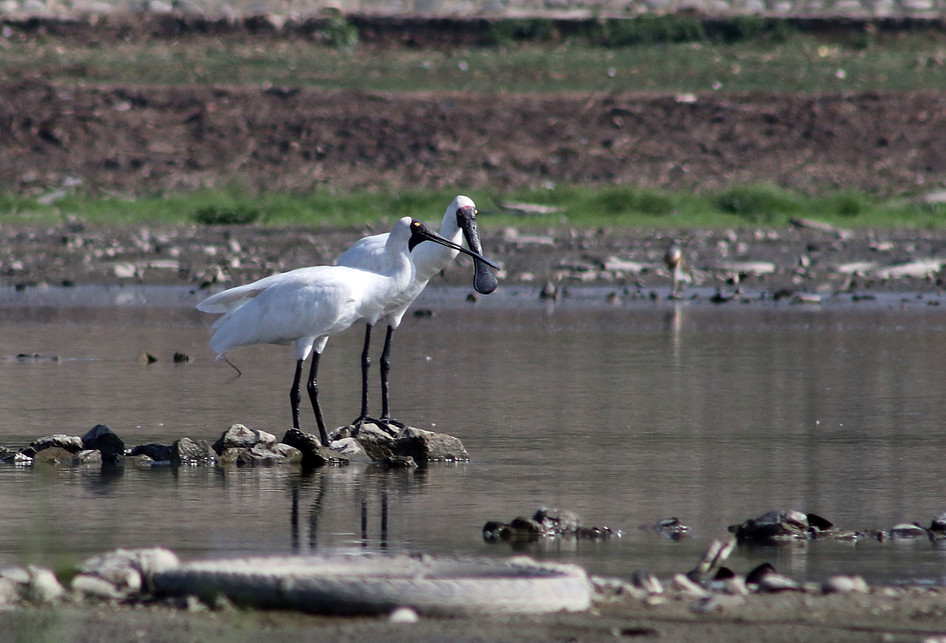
<point x="399" y="267"/>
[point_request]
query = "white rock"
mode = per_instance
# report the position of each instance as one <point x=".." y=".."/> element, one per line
<point x="845" y="585"/>
<point x="403" y="615"/>
<point x="43" y="587"/>
<point x="95" y="587"/>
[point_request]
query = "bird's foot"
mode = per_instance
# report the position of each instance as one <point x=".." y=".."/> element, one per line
<point x="361" y="421"/>
<point x="392" y="422"/>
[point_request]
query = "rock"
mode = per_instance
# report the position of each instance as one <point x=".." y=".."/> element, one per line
<point x="382" y="442"/>
<point x="647" y="582"/>
<point x="428" y="446"/>
<point x="546" y="523"/>
<point x="68" y="443"/>
<point x="683" y="585"/>
<point x="53" y="455"/>
<point x="784" y="525"/>
<point x="157" y="452"/>
<point x="242" y="446"/>
<point x="313" y="453"/>
<point x="126" y="572"/>
<point x="672" y="527"/>
<point x="938" y="527"/>
<point x="87" y="456"/>
<point x="908" y="531"/>
<point x="43" y="586"/>
<point x="775" y="582"/>
<point x="102" y="439"/>
<point x="240" y="437"/>
<point x="711" y="562"/>
<point x="93" y="587"/>
<point x="403" y="615"/>
<point x="845" y="585"/>
<point x="187" y="452"/>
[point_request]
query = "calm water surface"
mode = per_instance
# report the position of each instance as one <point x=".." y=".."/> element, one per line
<point x="624" y="414"/>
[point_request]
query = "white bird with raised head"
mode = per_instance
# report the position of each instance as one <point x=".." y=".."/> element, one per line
<point x="459" y="222"/>
<point x="306" y="306"/>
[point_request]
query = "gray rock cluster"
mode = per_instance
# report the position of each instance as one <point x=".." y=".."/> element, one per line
<point x="715" y="588"/>
<point x="399" y="447"/>
<point x="791" y="525"/>
<point x="121" y="575"/>
<point x="242" y="446"/>
<point x="545" y="524"/>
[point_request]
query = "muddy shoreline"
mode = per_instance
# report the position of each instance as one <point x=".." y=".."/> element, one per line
<point x="804" y="260"/>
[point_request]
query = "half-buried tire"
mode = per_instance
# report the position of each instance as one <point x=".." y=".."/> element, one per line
<point x="377" y="584"/>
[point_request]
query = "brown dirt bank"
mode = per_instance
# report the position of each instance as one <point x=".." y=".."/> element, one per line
<point x="152" y="139"/>
<point x="883" y="615"/>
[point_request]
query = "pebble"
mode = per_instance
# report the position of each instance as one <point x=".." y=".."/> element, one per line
<point x="403" y="615"/>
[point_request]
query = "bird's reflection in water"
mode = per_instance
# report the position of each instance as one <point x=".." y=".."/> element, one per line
<point x="365" y="491"/>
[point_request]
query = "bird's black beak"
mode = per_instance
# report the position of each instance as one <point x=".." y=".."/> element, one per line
<point x="484" y="282"/>
<point x="421" y="232"/>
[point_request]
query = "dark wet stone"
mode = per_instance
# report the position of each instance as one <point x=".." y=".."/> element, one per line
<point x="399" y="462"/>
<point x="763" y="569"/>
<point x="101" y="438"/>
<point x="157" y="452"/>
<point x="546" y="523"/>
<point x="192" y="452"/>
<point x="310" y="446"/>
<point x="784" y="525"/>
<point x="672" y="527"/>
<point x="938" y="527"/>
<point x="70" y="443"/>
<point x="724" y="573"/>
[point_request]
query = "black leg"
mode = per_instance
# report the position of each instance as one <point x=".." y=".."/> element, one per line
<point x="385" y="368"/>
<point x="313" y="389"/>
<point x="365" y="365"/>
<point x="294" y="397"/>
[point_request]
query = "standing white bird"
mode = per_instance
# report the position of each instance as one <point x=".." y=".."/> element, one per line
<point x="673" y="259"/>
<point x="306" y="306"/>
<point x="459" y="221"/>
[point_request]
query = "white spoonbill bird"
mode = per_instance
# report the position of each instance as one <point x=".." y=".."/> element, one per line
<point x="306" y="306"/>
<point x="459" y="221"/>
<point x="673" y="259"/>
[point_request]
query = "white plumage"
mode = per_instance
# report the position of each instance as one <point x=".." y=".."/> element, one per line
<point x="459" y="221"/>
<point x="306" y="306"/>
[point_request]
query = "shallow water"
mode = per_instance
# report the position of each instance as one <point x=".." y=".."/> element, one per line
<point x="624" y="414"/>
